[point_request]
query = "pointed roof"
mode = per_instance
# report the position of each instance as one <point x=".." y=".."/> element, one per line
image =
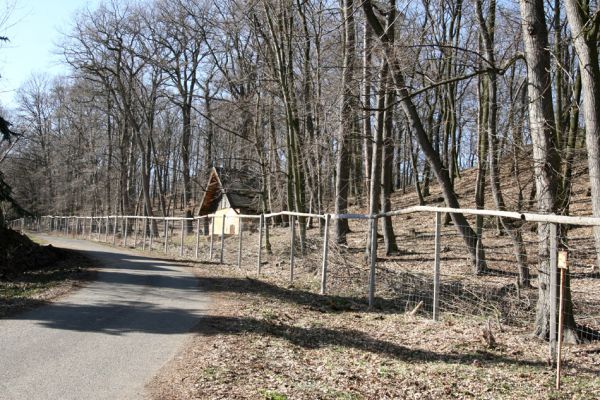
<point x="241" y="188"/>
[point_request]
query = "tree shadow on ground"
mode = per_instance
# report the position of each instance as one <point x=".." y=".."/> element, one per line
<point x="408" y="291"/>
<point x="320" y="337"/>
<point x="115" y="318"/>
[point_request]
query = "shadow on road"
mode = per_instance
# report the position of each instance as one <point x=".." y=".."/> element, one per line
<point x="115" y="318"/>
<point x="130" y="294"/>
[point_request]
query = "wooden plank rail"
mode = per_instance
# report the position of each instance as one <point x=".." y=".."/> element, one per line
<point x="523" y="216"/>
<point x="83" y="227"/>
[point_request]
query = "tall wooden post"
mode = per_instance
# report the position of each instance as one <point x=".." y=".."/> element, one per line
<point x="553" y="288"/>
<point x="564" y="267"/>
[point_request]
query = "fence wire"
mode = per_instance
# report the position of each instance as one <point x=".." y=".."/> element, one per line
<point x="295" y="249"/>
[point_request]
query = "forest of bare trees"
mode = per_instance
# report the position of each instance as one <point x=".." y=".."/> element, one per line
<point x="332" y="104"/>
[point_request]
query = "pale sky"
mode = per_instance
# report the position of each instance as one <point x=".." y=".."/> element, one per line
<point x="34" y="29"/>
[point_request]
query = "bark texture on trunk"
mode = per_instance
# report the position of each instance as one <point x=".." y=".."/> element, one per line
<point x="584" y="31"/>
<point x="347" y="111"/>
<point x="460" y="222"/>
<point x="545" y="155"/>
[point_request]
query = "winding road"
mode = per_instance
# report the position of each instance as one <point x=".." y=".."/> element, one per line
<point x="106" y="340"/>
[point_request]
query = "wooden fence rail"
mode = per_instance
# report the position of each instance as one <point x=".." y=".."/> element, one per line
<point x="86" y="226"/>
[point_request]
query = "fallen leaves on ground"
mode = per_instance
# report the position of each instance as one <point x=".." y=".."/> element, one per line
<point x="263" y="339"/>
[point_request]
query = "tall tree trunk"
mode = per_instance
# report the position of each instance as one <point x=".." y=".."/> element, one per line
<point x="414" y="153"/>
<point x="460" y="222"/>
<point x="366" y="99"/>
<point x="389" y="237"/>
<point x="186" y="110"/>
<point x="545" y="156"/>
<point x="348" y="108"/>
<point x="569" y="153"/>
<point x="487" y="31"/>
<point x="376" y="162"/>
<point x="482" y="151"/>
<point x="584" y="30"/>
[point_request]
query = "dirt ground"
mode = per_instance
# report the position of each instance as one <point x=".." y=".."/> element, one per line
<point x="264" y="339"/>
<point x="269" y="338"/>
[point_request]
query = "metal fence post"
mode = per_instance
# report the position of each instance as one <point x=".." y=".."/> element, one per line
<point x="212" y="237"/>
<point x="152" y="221"/>
<point x="136" y="224"/>
<point x="126" y="231"/>
<point x="436" y="267"/>
<point x="292" y="240"/>
<point x="197" y="237"/>
<point x="325" y="255"/>
<point x="106" y="228"/>
<point x="115" y="231"/>
<point x="182" y="237"/>
<point x="553" y="289"/>
<point x="260" y="235"/>
<point x="373" y="261"/>
<point x="222" y="239"/>
<point x="241" y="222"/>
<point x="166" y="236"/>
<point x="145" y="233"/>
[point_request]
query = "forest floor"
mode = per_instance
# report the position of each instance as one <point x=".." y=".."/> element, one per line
<point x="273" y="337"/>
<point x="33" y="273"/>
<point x="268" y="337"/>
<point x="272" y="340"/>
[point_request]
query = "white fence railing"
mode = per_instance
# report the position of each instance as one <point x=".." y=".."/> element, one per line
<point x="108" y="228"/>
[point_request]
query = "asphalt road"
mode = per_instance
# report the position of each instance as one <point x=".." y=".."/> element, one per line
<point x="106" y="340"/>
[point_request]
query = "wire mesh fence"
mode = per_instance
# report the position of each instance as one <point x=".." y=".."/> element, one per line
<point x="428" y="266"/>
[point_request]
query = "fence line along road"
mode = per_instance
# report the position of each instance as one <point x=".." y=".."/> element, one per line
<point x="86" y="226"/>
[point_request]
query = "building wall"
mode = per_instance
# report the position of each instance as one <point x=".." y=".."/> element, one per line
<point x="232" y="222"/>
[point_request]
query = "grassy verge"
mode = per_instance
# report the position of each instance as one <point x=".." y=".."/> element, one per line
<point x="265" y="340"/>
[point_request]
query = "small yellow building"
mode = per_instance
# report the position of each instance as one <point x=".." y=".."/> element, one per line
<point x="228" y="194"/>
